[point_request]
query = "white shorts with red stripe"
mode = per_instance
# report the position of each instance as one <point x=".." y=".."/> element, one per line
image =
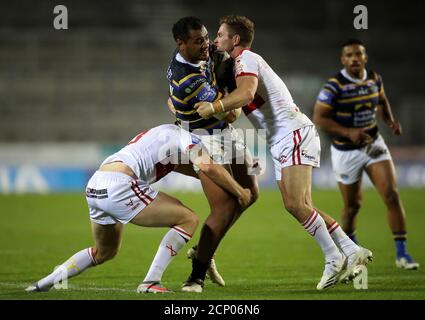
<point x="301" y="146"/>
<point x="115" y="197"/>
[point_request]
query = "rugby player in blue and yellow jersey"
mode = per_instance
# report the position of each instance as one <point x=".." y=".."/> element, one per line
<point x="346" y="109"/>
<point x="194" y="76"/>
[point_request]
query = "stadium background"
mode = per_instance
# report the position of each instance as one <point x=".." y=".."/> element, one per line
<point x="70" y="97"/>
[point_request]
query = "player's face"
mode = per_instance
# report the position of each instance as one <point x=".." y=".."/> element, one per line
<point x="195" y="48"/>
<point x="224" y="41"/>
<point x="354" y="59"/>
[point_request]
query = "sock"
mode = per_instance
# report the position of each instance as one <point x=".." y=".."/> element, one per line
<point x="353" y="237"/>
<point x="199" y="269"/>
<point x="400" y="243"/>
<point x="169" y="247"/>
<point x="347" y="246"/>
<point x="316" y="227"/>
<point x="73" y="266"/>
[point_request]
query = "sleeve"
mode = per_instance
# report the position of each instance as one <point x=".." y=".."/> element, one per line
<point x="380" y="85"/>
<point x="327" y="95"/>
<point x="246" y="65"/>
<point x="223" y="69"/>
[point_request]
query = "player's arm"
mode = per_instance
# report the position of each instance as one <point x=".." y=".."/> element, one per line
<point x="386" y="114"/>
<point x="219" y="175"/>
<point x="241" y="96"/>
<point x="323" y="118"/>
<point x="171" y="106"/>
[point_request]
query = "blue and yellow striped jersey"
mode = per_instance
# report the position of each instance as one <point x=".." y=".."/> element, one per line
<point x="190" y="84"/>
<point x="354" y="104"/>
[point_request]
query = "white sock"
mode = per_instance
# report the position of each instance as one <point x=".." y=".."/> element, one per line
<point x="316" y="227"/>
<point x="169" y="247"/>
<point x="73" y="266"/>
<point x="341" y="239"/>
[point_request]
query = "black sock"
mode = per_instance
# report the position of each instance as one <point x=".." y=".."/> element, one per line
<point x="199" y="269"/>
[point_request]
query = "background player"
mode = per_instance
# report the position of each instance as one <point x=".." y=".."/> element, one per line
<point x="346" y="109"/>
<point x="192" y="78"/>
<point x="120" y="192"/>
<point x="293" y="141"/>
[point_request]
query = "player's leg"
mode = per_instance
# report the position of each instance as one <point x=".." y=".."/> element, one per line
<point x="352" y="200"/>
<point x="295" y="188"/>
<point x="107" y="243"/>
<point x="355" y="255"/>
<point x="383" y="176"/>
<point x="212" y="271"/>
<point x="223" y="211"/>
<point x="240" y="174"/>
<point x="165" y="211"/>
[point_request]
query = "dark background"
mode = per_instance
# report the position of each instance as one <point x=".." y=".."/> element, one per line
<point x="103" y="79"/>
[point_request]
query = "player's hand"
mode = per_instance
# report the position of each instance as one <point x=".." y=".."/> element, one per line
<point x="395" y="126"/>
<point x="359" y="135"/>
<point x="245" y="198"/>
<point x="204" y="109"/>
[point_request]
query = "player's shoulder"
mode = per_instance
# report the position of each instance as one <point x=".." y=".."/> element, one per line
<point x="247" y="54"/>
<point x="335" y="82"/>
<point x="373" y="75"/>
<point x="179" y="72"/>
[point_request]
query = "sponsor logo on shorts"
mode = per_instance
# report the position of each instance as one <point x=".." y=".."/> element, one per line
<point x="130" y="203"/>
<point x="307" y="156"/>
<point x="135" y="206"/>
<point x="282" y="159"/>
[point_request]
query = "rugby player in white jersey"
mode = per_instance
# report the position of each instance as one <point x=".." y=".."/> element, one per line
<point x="293" y="141"/>
<point x="120" y="192"/>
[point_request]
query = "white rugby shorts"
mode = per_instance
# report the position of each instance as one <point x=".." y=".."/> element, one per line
<point x="348" y="165"/>
<point x="224" y="147"/>
<point x="300" y="147"/>
<point x="116" y="197"/>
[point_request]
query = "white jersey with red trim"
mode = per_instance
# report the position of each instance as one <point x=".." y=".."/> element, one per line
<point x="154" y="153"/>
<point x="273" y="108"/>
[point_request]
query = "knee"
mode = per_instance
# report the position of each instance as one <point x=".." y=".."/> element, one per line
<point x="294" y="207"/>
<point x="192" y="221"/>
<point x="353" y="208"/>
<point x="255" y="194"/>
<point x="392" y="197"/>
<point x="105" y="254"/>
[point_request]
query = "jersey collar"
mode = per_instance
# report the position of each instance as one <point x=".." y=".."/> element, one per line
<point x="346" y="75"/>
<point x="180" y="58"/>
<point x="244" y="49"/>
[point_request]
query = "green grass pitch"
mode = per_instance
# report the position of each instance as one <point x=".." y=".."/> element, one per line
<point x="267" y="255"/>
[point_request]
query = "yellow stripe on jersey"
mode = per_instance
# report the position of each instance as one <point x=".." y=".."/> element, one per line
<point x="373" y="95"/>
<point x="344" y="114"/>
<point x="186" y="78"/>
<point x="328" y="90"/>
<point x="335" y="80"/>
<point x="194" y="93"/>
<point x="178" y="100"/>
<point x="218" y="96"/>
<point x="186" y="112"/>
<point x="323" y="104"/>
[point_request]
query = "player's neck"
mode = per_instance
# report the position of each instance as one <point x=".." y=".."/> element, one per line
<point x="237" y="51"/>
<point x="357" y="75"/>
